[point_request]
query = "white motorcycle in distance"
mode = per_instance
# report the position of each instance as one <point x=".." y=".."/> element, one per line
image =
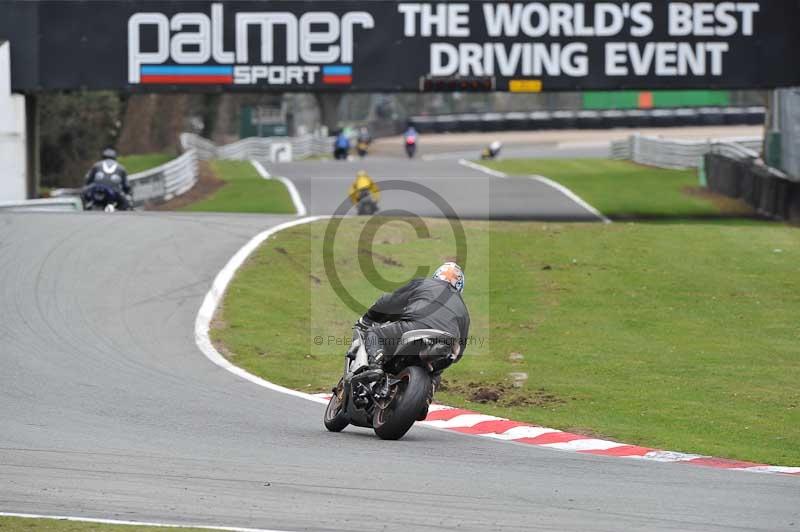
<point x="491" y="151"/>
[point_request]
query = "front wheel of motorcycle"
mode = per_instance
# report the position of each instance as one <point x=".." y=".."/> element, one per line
<point x="392" y="421"/>
<point x="335" y="415"/>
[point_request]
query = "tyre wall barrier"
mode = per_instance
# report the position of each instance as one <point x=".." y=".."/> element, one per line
<point x="767" y="190"/>
<point x="587" y="119"/>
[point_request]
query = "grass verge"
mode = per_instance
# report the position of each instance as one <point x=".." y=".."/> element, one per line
<point x="139" y="163"/>
<point x="20" y="524"/>
<point x="681" y="337"/>
<point x="244" y="191"/>
<point x="622" y="189"/>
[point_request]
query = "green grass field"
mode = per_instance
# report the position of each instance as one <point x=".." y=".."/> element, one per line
<point x="682" y="337"/>
<point x="139" y="163"/>
<point x="18" y="524"/>
<point x="620" y="189"/>
<point x="244" y="191"/>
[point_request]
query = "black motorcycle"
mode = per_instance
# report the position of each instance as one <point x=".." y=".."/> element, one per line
<point x="99" y="197"/>
<point x="389" y="399"/>
<point x="366" y="205"/>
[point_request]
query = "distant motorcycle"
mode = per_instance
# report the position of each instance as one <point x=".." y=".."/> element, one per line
<point x="100" y="197"/>
<point x="362" y="148"/>
<point x="340" y="154"/>
<point x="366" y="205"/>
<point x="341" y="147"/>
<point x="390" y="399"/>
<point x="411" y="146"/>
<point x="492" y="150"/>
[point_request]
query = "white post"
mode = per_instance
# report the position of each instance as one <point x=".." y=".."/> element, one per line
<point x="13" y="161"/>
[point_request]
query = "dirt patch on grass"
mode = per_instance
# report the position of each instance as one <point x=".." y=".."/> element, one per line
<point x="503" y="394"/>
<point x="486" y="394"/>
<point x="727" y="206"/>
<point x="388" y="261"/>
<point x="207" y="184"/>
<point x="316" y="280"/>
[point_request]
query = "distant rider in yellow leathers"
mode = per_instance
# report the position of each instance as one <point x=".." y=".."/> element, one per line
<point x="364" y="193"/>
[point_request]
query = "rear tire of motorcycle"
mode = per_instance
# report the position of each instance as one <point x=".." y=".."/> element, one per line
<point x="398" y="418"/>
<point x="335" y="418"/>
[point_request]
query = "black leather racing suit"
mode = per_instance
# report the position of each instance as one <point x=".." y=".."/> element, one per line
<point x="420" y="304"/>
<point x="113" y="175"/>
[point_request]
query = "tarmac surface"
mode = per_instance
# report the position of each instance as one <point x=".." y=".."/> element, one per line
<point x="440" y="187"/>
<point x="472" y="194"/>
<point x="108" y="409"/>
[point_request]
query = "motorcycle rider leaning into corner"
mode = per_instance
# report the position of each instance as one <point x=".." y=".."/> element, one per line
<point x="433" y="303"/>
<point x="363" y="183"/>
<point x="110" y="173"/>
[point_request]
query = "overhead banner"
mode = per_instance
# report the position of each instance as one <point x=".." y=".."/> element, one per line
<point x="288" y="45"/>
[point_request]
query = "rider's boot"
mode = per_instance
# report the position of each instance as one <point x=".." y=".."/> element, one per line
<point x="377" y="359"/>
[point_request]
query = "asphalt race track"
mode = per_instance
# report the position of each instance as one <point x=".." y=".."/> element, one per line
<point x="472" y="194"/>
<point x="108" y="409"/>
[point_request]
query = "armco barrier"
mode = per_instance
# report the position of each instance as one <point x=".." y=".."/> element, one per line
<point x="769" y="191"/>
<point x="588" y="119"/>
<point x="65" y="204"/>
<point x="164" y="182"/>
<point x="176" y="177"/>
<point x="258" y="147"/>
<point x="668" y="153"/>
<point x="155" y="185"/>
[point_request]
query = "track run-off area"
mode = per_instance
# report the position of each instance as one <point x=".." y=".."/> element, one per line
<point x="108" y="409"/>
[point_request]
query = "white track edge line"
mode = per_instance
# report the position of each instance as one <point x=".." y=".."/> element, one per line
<point x="203" y="341"/>
<point x="133" y="523"/>
<point x="260" y="169"/>
<point x="447" y="155"/>
<point x="481" y="168"/>
<point x="214" y="296"/>
<point x="571" y="195"/>
<point x="561" y="188"/>
<point x="202" y="323"/>
<point x="299" y="206"/>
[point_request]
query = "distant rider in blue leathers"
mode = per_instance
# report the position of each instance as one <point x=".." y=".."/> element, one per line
<point x="341" y="147"/>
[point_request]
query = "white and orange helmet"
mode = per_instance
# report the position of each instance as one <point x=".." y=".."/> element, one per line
<point x="452" y="273"/>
